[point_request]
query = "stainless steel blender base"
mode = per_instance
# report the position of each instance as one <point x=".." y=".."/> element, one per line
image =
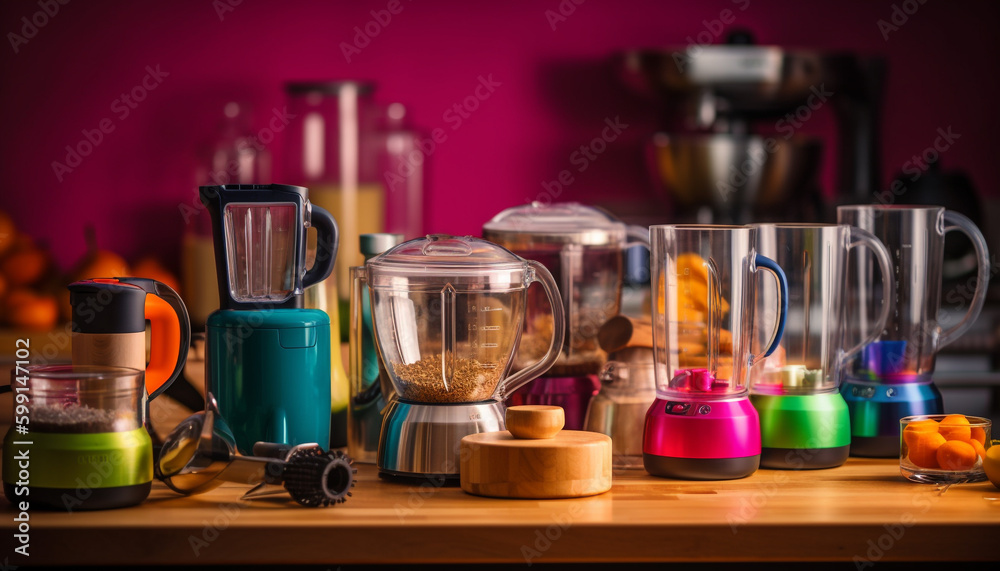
<point x="421" y="440"/>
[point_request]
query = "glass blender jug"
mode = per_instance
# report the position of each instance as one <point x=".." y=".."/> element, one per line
<point x="583" y="247"/>
<point x="448" y="313"/>
<point x="804" y="422"/>
<point x="86" y="443"/>
<point x="701" y="425"/>
<point x="891" y="377"/>
<point x="267" y="357"/>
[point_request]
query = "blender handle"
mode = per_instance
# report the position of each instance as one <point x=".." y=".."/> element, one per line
<point x="779" y="327"/>
<point x="327" y="239"/>
<point x="637" y="236"/>
<point x="956" y="221"/>
<point x="541" y="274"/>
<point x="164" y="336"/>
<point x="861" y="237"/>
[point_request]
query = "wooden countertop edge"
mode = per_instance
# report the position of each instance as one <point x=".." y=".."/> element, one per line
<point x="111" y="545"/>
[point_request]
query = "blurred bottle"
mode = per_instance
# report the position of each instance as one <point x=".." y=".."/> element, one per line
<point x="333" y="150"/>
<point x="402" y="166"/>
<point x="371" y="389"/>
<point x="232" y="156"/>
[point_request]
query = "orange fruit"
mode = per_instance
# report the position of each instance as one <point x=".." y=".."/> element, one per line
<point x="30" y="310"/>
<point x="978" y="433"/>
<point x="923" y="451"/>
<point x="151" y="268"/>
<point x="25" y="263"/>
<point x="956" y="455"/>
<point x="7" y="231"/>
<point x="955" y="427"/>
<point x="914" y="429"/>
<point x="104" y="264"/>
<point x="980" y="450"/>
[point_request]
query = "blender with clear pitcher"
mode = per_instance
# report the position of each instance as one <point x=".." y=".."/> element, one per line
<point x="704" y="278"/>
<point x="267" y="357"/>
<point x="804" y="422"/>
<point x="448" y="313"/>
<point x="891" y="377"/>
<point x="583" y="247"/>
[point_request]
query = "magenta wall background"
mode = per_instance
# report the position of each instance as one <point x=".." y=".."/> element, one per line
<point x="556" y="92"/>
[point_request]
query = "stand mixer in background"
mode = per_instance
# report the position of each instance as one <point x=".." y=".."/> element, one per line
<point x="729" y="151"/>
<point x="583" y="247"/>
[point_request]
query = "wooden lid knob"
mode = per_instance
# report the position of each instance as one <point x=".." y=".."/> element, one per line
<point x="535" y="421"/>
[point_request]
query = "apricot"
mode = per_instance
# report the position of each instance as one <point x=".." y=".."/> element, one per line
<point x="979" y="434"/>
<point x="956" y="455"/>
<point x="980" y="450"/>
<point x="923" y="451"/>
<point x="914" y="429"/>
<point x="955" y="427"/>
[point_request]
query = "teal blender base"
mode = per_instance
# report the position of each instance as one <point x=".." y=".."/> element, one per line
<point x="803" y="432"/>
<point x="269" y="371"/>
<point x="876" y="409"/>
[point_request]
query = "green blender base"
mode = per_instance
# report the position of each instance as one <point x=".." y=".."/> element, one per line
<point x="79" y="471"/>
<point x="803" y="432"/>
<point x="73" y="499"/>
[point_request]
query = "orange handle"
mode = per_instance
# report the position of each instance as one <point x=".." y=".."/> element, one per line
<point x="164" y="342"/>
<point x="170" y="334"/>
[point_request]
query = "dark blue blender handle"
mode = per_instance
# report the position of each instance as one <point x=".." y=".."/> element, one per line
<point x="779" y="275"/>
<point x="327" y="240"/>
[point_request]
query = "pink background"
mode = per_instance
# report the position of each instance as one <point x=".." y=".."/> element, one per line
<point x="557" y="89"/>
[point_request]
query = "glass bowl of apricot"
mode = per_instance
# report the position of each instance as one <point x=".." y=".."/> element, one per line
<point x="943" y="448"/>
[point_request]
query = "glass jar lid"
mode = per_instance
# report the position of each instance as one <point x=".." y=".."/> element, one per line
<point x="457" y="259"/>
<point x="558" y="223"/>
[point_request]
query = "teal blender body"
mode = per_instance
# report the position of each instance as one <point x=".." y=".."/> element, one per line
<point x="804" y="420"/>
<point x="267" y="357"/>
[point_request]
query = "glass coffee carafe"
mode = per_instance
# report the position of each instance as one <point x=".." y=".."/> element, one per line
<point x="448" y="314"/>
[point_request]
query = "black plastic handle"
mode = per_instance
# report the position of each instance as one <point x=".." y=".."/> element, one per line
<point x="327" y="240"/>
<point x="167" y="294"/>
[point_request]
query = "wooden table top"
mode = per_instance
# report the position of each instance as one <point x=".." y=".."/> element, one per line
<point x="863" y="510"/>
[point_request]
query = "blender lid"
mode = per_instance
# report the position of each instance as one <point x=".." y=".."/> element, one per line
<point x="444" y="254"/>
<point x="559" y="223"/>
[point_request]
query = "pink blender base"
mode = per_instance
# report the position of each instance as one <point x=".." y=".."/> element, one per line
<point x="701" y="440"/>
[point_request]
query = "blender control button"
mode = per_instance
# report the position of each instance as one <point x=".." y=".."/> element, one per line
<point x="678" y="407"/>
<point x="890" y="392"/>
<point x="704" y="409"/>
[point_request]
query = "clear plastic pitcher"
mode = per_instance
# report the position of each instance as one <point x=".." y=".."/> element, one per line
<point x="583" y="247"/>
<point x="905" y="349"/>
<point x="448" y="314"/>
<point x="704" y="286"/>
<point x="813" y="349"/>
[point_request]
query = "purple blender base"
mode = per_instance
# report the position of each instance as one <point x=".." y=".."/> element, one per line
<point x="573" y="394"/>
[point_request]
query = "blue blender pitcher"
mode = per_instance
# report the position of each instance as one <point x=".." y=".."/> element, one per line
<point x="267" y="357"/>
